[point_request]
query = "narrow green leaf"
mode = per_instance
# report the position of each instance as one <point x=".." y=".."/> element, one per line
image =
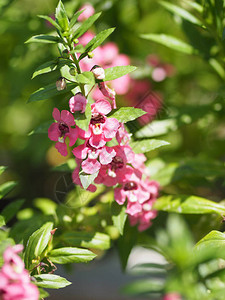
<point x="188" y="205"/>
<point x="37" y="243"/>
<point x="44" y="38"/>
<point x="116" y="72"/>
<point x="51" y="66"/>
<point x="70" y="255"/>
<point x="170" y="42"/>
<point x="217" y="67"/>
<point x="51" y="281"/>
<point x="119" y="216"/>
<point x="87" y="179"/>
<point x="49" y="91"/>
<point x="2" y="221"/>
<point x="43" y="128"/>
<point x="194" y="5"/>
<point x="86" y="78"/>
<point x="2" y="169"/>
<point x="50" y="20"/>
<point x="61" y="16"/>
<point x="42" y="294"/>
<point x="144" y="286"/>
<point x="75" y="17"/>
<point x="147" y="145"/>
<point x="6" y="187"/>
<point x="96" y="41"/>
<point x="45" y="68"/>
<point x="223" y="36"/>
<point x="126" y="114"/>
<point x="85" y="26"/>
<point x="11" y="209"/>
<point x="95" y="240"/>
<point x="157" y="128"/>
<point x="181" y="12"/>
<point x="83" y="119"/>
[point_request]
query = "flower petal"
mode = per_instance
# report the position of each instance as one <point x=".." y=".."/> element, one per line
<point x="90" y="166"/>
<point x="103" y="106"/>
<point x="111" y="127"/>
<point x="106" y="155"/>
<point x="67" y="118"/>
<point x="80" y="151"/>
<point x="120" y="196"/>
<point x="62" y="148"/>
<point x="53" y="132"/>
<point x="56" y="114"/>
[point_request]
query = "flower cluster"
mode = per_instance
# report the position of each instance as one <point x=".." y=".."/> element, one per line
<point x="103" y="151"/>
<point x="15" y="281"/>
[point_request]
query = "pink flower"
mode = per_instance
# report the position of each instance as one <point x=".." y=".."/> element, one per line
<point x="160" y="70"/>
<point x="117" y="171"/>
<point x="14" y="279"/>
<point x="108" y="93"/>
<point x="144" y="217"/>
<point x="172" y="296"/>
<point x="92" y="157"/>
<point x="78" y="103"/>
<point x="61" y="129"/>
<point x="122" y="136"/>
<point x="98" y="72"/>
<point x="101" y="128"/>
<point x="89" y="11"/>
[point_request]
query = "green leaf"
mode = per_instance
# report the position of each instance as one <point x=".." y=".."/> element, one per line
<point x="119" y="216"/>
<point x="96" y="41"/>
<point x="2" y="221"/>
<point x="86" y="78"/>
<point x="61" y="16"/>
<point x="181" y="12"/>
<point x="170" y="42"/>
<point x="83" y="119"/>
<point x="44" y="38"/>
<point x="95" y="240"/>
<point x="212" y="245"/>
<point x="70" y="255"/>
<point x="126" y="114"/>
<point x="116" y="72"/>
<point x="49" y="91"/>
<point x="45" y="68"/>
<point x="6" y="187"/>
<point x="217" y="67"/>
<point x="85" y="26"/>
<point x="2" y="169"/>
<point x="188" y="205"/>
<point x="37" y="243"/>
<point x="125" y="244"/>
<point x="11" y="209"/>
<point x="47" y="206"/>
<point x="75" y="17"/>
<point x="144" y="286"/>
<point x="42" y="294"/>
<point x="50" y="281"/>
<point x="50" y="20"/>
<point x="194" y="5"/>
<point x="43" y="128"/>
<point x="87" y="179"/>
<point x="147" y="145"/>
<point x="157" y="128"/>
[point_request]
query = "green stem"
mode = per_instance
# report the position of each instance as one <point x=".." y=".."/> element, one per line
<point x="77" y="66"/>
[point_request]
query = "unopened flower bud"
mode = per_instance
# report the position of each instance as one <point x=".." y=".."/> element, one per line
<point x="98" y="72"/>
<point x="78" y="103"/>
<point x="90" y="54"/>
<point x="61" y="84"/>
<point x="76" y="41"/>
<point x="73" y="71"/>
<point x="65" y="53"/>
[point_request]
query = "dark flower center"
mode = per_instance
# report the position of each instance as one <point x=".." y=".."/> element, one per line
<point x="117" y="163"/>
<point x="90" y="147"/>
<point x="129" y="186"/>
<point x="98" y="119"/>
<point x="63" y="128"/>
